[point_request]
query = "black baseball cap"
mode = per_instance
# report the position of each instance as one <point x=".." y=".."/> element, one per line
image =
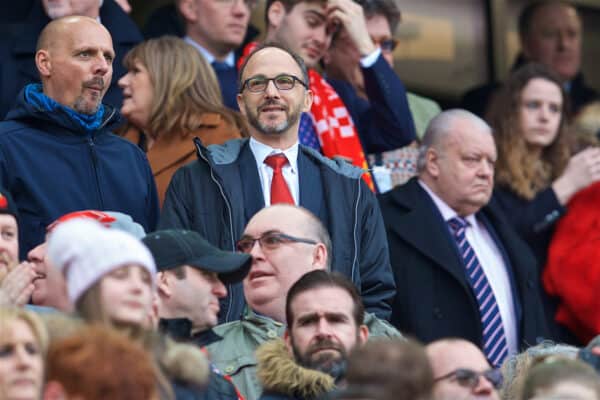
<point x="173" y="248"/>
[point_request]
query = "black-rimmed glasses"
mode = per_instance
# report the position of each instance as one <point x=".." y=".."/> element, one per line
<point x="258" y="84"/>
<point x="469" y="378"/>
<point x="269" y="241"/>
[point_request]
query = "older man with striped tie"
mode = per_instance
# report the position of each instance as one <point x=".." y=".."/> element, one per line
<point x="461" y="271"/>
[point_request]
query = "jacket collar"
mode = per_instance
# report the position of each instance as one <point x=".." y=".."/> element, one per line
<point x="279" y="373"/>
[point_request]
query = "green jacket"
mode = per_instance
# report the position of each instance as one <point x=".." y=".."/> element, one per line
<point x="234" y="355"/>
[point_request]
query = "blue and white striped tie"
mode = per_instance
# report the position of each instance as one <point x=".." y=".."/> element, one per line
<point x="494" y="338"/>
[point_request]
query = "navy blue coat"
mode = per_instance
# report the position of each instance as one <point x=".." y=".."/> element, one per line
<point x="51" y="167"/>
<point x="434" y="299"/>
<point x="17" y="63"/>
<point x="384" y="122"/>
<point x="219" y="193"/>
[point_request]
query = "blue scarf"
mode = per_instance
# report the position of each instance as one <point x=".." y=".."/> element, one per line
<point x="36" y="97"/>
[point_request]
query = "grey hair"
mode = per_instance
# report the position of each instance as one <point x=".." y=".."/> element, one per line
<point x="514" y="368"/>
<point x="440" y="126"/>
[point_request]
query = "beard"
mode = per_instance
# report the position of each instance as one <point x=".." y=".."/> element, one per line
<point x="292" y="117"/>
<point x="89" y="106"/>
<point x="333" y="361"/>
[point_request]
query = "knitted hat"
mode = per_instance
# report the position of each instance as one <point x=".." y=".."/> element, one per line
<point x="7" y="205"/>
<point x="84" y="251"/>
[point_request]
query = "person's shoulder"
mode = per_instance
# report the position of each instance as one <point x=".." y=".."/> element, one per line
<point x="337" y="165"/>
<point x="380" y="328"/>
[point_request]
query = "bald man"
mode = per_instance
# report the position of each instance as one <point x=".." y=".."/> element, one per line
<point x="17" y="51"/>
<point x="57" y="154"/>
<point x="461" y="371"/>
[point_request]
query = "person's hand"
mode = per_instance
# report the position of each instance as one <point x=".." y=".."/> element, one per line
<point x="17" y="286"/>
<point x="582" y="170"/>
<point x="350" y="16"/>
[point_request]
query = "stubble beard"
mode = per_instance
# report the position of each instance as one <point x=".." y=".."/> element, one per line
<point x="272" y="130"/>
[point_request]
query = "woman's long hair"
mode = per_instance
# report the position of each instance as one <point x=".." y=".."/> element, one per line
<point x="517" y="168"/>
<point x="184" y="84"/>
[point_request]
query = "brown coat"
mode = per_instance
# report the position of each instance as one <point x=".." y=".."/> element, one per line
<point x="171" y="151"/>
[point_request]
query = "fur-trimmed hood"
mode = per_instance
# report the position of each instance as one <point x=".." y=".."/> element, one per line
<point x="278" y="373"/>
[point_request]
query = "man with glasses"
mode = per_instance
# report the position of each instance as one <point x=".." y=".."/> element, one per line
<point x="461" y="371"/>
<point x="285" y="243"/>
<point x="342" y="125"/>
<point x="216" y="28"/>
<point x="217" y="194"/>
<point x="345" y="72"/>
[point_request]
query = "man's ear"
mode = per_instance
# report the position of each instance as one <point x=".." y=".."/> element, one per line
<point x="43" y="62"/>
<point x="276" y="13"/>
<point x="187" y="9"/>
<point x="320" y="256"/>
<point x="308" y="100"/>
<point x="432" y="162"/>
<point x="240" y="101"/>
<point x="163" y="284"/>
<point x="363" y="334"/>
<point x="288" y="341"/>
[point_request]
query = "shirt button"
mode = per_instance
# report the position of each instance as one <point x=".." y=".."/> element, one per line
<point x="272" y="334"/>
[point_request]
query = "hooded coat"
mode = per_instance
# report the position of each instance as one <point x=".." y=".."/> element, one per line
<point x="282" y="378"/>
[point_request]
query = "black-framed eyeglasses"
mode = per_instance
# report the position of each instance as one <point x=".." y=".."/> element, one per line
<point x="387" y="46"/>
<point x="258" y="84"/>
<point x="269" y="241"/>
<point x="469" y="378"/>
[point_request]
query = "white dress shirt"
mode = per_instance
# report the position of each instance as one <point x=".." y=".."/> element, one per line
<point x="289" y="171"/>
<point x="229" y="60"/>
<point x="491" y="260"/>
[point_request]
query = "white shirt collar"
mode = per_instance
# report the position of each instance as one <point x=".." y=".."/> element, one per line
<point x="229" y="60"/>
<point x="447" y="212"/>
<point x="262" y="151"/>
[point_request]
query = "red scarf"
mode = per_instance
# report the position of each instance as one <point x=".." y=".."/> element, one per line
<point x="332" y="121"/>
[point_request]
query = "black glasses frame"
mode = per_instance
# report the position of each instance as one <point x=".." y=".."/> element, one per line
<point x="294" y="80"/>
<point x="249" y="241"/>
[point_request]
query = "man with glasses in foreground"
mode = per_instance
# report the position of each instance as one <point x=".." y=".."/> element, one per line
<point x="219" y="193"/>
<point x="461" y="371"/>
<point x="285" y="243"/>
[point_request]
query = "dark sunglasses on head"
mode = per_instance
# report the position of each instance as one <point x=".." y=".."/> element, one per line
<point x="469" y="378"/>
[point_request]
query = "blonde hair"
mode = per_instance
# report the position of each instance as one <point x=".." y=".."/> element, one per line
<point x="10" y="314"/>
<point x="184" y="84"/>
<point x="516" y="168"/>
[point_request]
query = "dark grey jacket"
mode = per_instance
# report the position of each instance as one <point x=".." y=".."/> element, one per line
<point x="217" y="194"/>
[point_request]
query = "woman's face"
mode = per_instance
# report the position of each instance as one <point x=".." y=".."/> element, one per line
<point x="126" y="295"/>
<point x="21" y="364"/>
<point x="138" y="94"/>
<point x="540" y="112"/>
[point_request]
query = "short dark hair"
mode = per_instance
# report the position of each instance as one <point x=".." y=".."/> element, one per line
<point x="399" y="369"/>
<point x="386" y="8"/>
<point x="322" y="279"/>
<point x="287" y="4"/>
<point x="529" y="11"/>
<point x="281" y="47"/>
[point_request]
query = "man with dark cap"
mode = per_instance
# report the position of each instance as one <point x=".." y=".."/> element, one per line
<point x="192" y="275"/>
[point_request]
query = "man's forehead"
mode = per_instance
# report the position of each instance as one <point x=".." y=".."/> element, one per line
<point x="555" y="15"/>
<point x="85" y="35"/>
<point x="447" y="357"/>
<point x="271" y="62"/>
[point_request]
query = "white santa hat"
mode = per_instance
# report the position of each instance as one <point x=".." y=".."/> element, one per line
<point x="84" y="251"/>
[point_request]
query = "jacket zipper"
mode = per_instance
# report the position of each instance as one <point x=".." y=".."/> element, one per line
<point x="215" y="180"/>
<point x="94" y="156"/>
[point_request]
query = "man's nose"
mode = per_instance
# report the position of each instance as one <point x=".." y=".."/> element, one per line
<point x="484" y="386"/>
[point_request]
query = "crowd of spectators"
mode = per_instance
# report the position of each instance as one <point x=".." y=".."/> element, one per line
<point x="200" y="215"/>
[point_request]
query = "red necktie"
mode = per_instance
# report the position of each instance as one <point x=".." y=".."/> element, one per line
<point x="280" y="192"/>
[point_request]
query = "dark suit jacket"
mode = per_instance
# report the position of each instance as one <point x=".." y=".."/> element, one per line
<point x="433" y="298"/>
<point x="384" y="122"/>
<point x="17" y="63"/>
